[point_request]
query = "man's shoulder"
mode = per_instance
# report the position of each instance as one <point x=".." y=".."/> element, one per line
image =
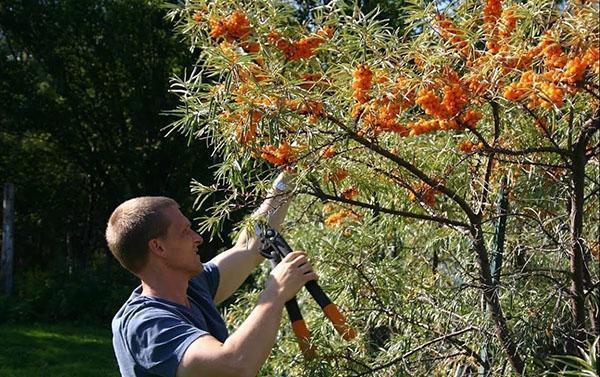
<point x="150" y="335"/>
<point x="207" y="281"/>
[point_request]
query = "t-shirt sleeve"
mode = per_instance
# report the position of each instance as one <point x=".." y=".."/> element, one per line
<point x="211" y="277"/>
<point x="158" y="339"/>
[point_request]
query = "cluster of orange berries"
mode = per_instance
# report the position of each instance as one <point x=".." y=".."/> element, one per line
<point x="380" y="116"/>
<point x="470" y="118"/>
<point x="491" y="13"/>
<point x="516" y="91"/>
<point x="549" y="89"/>
<point x="301" y="49"/>
<point x="498" y="24"/>
<point x="424" y="126"/>
<point x="549" y="94"/>
<point x="350" y="192"/>
<point x="246" y="121"/>
<point x="329" y="152"/>
<point x="509" y="23"/>
<point x="336" y="176"/>
<point x="361" y="83"/>
<point x="431" y="103"/>
<point x="467" y="119"/>
<point x="314" y="109"/>
<point x="339" y="217"/>
<point x="575" y="68"/>
<point x="284" y="154"/>
<point x="423" y="193"/>
<point x="451" y="33"/>
<point x="469" y="147"/>
<point x="197" y="17"/>
<point x="236" y="27"/>
<point x="455" y="98"/>
<point x="447" y="112"/>
<point x="551" y="50"/>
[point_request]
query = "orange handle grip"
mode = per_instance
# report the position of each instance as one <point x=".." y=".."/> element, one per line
<point x="339" y="322"/>
<point x="303" y="338"/>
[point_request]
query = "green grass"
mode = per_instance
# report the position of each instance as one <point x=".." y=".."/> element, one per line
<point x="56" y="350"/>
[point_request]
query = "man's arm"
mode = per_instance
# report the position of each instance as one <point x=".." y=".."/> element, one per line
<point x="246" y="350"/>
<point x="236" y="264"/>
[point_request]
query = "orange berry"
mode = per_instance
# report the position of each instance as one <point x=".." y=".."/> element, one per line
<point x="350" y="192"/>
<point x="329" y="152"/>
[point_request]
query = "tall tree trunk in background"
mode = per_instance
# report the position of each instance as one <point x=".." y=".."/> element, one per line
<point x="576" y="267"/>
<point x="8" y="206"/>
<point x="492" y="300"/>
<point x="580" y="276"/>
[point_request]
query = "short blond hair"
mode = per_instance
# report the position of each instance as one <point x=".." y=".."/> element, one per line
<point x="132" y="225"/>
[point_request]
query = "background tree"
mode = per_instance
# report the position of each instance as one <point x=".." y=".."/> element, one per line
<point x="83" y="87"/>
<point x="399" y="141"/>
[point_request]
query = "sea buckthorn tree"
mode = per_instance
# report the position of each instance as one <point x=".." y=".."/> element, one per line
<point x="423" y="158"/>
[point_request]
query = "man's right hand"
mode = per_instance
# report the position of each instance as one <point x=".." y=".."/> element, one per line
<point x="288" y="277"/>
<point x="245" y="351"/>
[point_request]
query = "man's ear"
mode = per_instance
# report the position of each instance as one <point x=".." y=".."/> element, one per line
<point x="156" y="247"/>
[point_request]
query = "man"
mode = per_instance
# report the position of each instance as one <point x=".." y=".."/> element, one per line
<point x="170" y="326"/>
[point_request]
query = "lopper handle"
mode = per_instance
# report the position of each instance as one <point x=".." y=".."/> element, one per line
<point x="331" y="310"/>
<point x="280" y="249"/>
<point x="300" y="329"/>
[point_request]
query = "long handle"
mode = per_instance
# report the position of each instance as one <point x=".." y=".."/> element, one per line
<point x="280" y="249"/>
<point x="300" y="329"/>
<point x="298" y="324"/>
<point x="331" y="310"/>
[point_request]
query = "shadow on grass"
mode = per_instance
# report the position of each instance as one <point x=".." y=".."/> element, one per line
<point x="56" y="350"/>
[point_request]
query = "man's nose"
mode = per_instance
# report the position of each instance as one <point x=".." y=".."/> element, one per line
<point x="199" y="239"/>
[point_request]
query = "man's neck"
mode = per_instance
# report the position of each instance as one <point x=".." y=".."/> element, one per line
<point x="166" y="285"/>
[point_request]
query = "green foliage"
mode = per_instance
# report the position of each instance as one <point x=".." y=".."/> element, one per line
<point x="83" y="87"/>
<point x="585" y="365"/>
<point x="402" y="241"/>
<point x="87" y="296"/>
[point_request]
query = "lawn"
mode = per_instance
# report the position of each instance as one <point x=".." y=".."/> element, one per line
<point x="56" y="350"/>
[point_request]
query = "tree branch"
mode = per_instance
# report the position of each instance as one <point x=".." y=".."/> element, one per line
<point x="490" y="162"/>
<point x="408" y="166"/>
<point x="415" y="350"/>
<point x="438" y="219"/>
<point x="523" y="152"/>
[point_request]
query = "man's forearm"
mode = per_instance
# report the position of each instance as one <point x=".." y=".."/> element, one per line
<point x="238" y="262"/>
<point x="243" y="353"/>
<point x="251" y="344"/>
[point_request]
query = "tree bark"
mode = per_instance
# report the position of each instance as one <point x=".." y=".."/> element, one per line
<point x="576" y="251"/>
<point x="6" y="271"/>
<point x="493" y="302"/>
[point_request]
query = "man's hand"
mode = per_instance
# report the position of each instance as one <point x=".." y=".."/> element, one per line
<point x="288" y="277"/>
<point x="284" y="183"/>
<point x="245" y="351"/>
<point x="238" y="262"/>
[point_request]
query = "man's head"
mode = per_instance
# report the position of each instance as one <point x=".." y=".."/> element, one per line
<point x="151" y="225"/>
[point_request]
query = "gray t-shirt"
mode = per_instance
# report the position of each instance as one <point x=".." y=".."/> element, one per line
<point x="150" y="335"/>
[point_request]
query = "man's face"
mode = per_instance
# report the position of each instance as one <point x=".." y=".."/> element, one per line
<point x="181" y="243"/>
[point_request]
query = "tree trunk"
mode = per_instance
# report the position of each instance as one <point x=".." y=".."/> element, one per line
<point x="576" y="251"/>
<point x="493" y="302"/>
<point x="6" y="271"/>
